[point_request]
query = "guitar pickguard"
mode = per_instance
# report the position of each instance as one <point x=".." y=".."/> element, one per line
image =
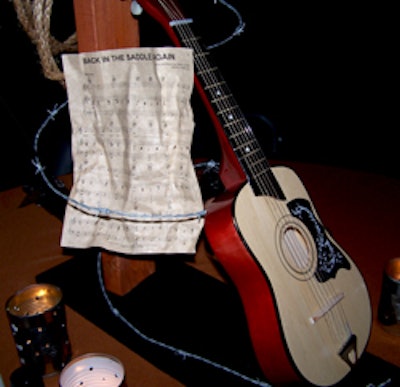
<point x="267" y="250"/>
<point x="330" y="259"/>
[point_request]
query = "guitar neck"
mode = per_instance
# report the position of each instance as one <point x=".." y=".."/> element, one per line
<point x="226" y="111"/>
<point x="236" y="127"/>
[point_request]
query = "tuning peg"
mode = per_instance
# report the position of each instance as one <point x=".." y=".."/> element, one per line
<point x="136" y="8"/>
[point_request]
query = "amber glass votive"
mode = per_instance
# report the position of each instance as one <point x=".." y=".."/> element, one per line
<point x="389" y="302"/>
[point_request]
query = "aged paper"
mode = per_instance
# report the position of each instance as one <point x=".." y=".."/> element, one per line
<point x="134" y="186"/>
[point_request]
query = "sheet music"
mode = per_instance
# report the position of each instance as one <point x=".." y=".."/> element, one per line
<point x="134" y="186"/>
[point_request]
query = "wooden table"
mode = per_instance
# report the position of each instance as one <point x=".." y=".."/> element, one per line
<point x="360" y="209"/>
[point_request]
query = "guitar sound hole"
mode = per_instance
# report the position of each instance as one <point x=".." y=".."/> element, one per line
<point x="297" y="251"/>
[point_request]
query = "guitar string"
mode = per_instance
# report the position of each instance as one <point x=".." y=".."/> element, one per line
<point x="210" y="80"/>
<point x="293" y="242"/>
<point x="336" y="319"/>
<point x="244" y="138"/>
<point x="189" y="40"/>
<point x="183" y="353"/>
<point x="213" y="81"/>
<point x="338" y="310"/>
<point x="323" y="298"/>
<point x="338" y="313"/>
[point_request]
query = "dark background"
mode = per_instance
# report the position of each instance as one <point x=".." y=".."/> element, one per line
<point x="318" y="82"/>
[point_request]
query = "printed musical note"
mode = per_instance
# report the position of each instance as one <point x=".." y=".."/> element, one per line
<point x="134" y="187"/>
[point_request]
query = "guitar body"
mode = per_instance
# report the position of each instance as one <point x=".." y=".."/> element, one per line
<point x="306" y="303"/>
<point x="301" y="328"/>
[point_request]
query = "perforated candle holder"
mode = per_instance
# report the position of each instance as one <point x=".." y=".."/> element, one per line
<point x="37" y="320"/>
<point x="93" y="369"/>
<point x="389" y="302"/>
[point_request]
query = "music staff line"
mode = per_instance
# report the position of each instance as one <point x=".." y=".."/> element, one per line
<point x="93" y="210"/>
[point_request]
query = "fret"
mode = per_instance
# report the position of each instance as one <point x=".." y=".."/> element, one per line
<point x="202" y="54"/>
<point x="221" y="99"/>
<point x="260" y="174"/>
<point x="229" y="112"/>
<point x="247" y="148"/>
<point x="232" y="125"/>
<point x="234" y="133"/>
<point x="206" y="71"/>
<point x="253" y="156"/>
<point x="246" y="152"/>
<point x="225" y="102"/>
<point x="190" y="41"/>
<point x="260" y="165"/>
<point x="237" y="129"/>
<point x="242" y="138"/>
<point x="218" y="86"/>
<point x="212" y="84"/>
<point x="233" y="121"/>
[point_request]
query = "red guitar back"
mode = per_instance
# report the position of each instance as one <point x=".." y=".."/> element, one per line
<point x="306" y="304"/>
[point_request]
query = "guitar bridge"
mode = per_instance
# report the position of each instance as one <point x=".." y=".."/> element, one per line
<point x="349" y="351"/>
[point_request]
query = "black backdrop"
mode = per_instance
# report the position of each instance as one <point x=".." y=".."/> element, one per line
<point x="320" y="78"/>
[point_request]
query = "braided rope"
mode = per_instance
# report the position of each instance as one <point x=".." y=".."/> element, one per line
<point x="35" y="18"/>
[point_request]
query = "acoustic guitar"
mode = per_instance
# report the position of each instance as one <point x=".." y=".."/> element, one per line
<point x="307" y="306"/>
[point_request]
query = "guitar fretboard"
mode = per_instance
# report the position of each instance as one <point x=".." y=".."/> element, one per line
<point x="236" y="127"/>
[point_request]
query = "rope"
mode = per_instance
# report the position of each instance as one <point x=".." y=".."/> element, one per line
<point x="35" y="18"/>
